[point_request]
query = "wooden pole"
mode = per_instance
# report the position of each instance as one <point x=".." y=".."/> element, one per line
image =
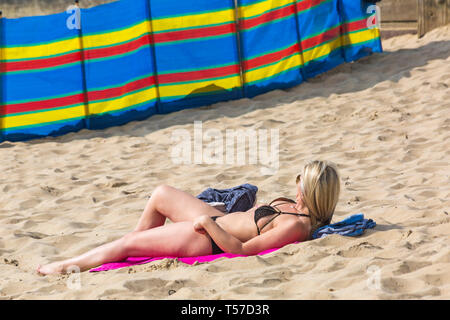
<point x="432" y="14"/>
<point x="299" y="41"/>
<point x="239" y="45"/>
<point x="83" y="72"/>
<point x="153" y="57"/>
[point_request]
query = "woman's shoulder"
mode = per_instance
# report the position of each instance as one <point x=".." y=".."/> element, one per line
<point x="282" y="200"/>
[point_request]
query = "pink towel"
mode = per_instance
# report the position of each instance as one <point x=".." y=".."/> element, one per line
<point x="132" y="261"/>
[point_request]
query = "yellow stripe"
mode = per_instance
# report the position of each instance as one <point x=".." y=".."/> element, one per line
<point x="195" y="20"/>
<point x="348" y="39"/>
<point x="122" y="102"/>
<point x="42" y="117"/>
<point x="259" y="8"/>
<point x="115" y="37"/>
<point x="361" y="36"/>
<point x="111" y="38"/>
<point x="60" y="47"/>
<point x="321" y="51"/>
<point x="199" y="87"/>
<point x="44" y="50"/>
<point x="316" y="53"/>
<point x="78" y="111"/>
<point x="269" y="71"/>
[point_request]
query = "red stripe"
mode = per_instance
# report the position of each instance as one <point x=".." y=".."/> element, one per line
<point x="44" y="104"/>
<point x="199" y="75"/>
<point x="194" y="33"/>
<point x="355" y="25"/>
<point x="271" y="57"/>
<point x="79" y="98"/>
<point x="76" y="56"/>
<point x="41" y="63"/>
<point x="119" y="91"/>
<point x="267" y="17"/>
<point x="321" y="38"/>
<point x="308" y="4"/>
<point x="119" y="49"/>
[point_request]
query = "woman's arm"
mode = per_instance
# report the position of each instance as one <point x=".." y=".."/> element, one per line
<point x="277" y="237"/>
<point x="223" y="239"/>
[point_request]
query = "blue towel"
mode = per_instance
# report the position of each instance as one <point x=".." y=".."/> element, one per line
<point x="239" y="198"/>
<point x="352" y="226"/>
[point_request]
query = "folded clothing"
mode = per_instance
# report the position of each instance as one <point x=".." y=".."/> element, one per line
<point x="239" y="198"/>
<point x="352" y="226"/>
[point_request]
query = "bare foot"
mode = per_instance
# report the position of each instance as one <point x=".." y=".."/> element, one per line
<point x="52" y="268"/>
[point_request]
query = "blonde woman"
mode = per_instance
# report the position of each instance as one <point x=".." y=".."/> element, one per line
<point x="200" y="229"/>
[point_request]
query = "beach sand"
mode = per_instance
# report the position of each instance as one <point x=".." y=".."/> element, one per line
<point x="26" y="8"/>
<point x="384" y="120"/>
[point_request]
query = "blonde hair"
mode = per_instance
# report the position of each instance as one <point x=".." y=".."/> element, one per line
<point x="320" y="187"/>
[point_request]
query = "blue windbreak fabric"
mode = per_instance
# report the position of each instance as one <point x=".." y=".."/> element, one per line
<point x="22" y="86"/>
<point x="361" y="14"/>
<point x="265" y="34"/>
<point x="320" y="31"/>
<point x="191" y="60"/>
<point x="130" y="72"/>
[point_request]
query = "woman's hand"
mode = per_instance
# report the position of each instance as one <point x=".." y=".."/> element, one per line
<point x="199" y="224"/>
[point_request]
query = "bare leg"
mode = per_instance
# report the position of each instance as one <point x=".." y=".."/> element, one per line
<point x="177" y="239"/>
<point x="174" y="204"/>
<point x="110" y="252"/>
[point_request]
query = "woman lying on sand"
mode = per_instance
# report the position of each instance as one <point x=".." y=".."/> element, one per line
<point x="199" y="229"/>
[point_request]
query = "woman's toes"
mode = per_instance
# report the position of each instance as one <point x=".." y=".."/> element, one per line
<point x="52" y="268"/>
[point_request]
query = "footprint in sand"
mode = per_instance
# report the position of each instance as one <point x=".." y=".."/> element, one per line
<point x="13" y="262"/>
<point x="61" y="200"/>
<point x="359" y="250"/>
<point x="397" y="186"/>
<point x="80" y="183"/>
<point x="118" y="184"/>
<point x="428" y="194"/>
<point x="114" y="201"/>
<point x="28" y="204"/>
<point x="51" y="190"/>
<point x="410" y="266"/>
<point x="82" y="225"/>
<point x="34" y="235"/>
<point x="399" y="285"/>
<point x="242" y="289"/>
<point x="145" y="284"/>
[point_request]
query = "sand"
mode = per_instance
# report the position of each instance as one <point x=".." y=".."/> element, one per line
<point x="24" y="8"/>
<point x="384" y="120"/>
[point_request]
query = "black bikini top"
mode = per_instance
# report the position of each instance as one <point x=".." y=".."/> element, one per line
<point x="265" y="211"/>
